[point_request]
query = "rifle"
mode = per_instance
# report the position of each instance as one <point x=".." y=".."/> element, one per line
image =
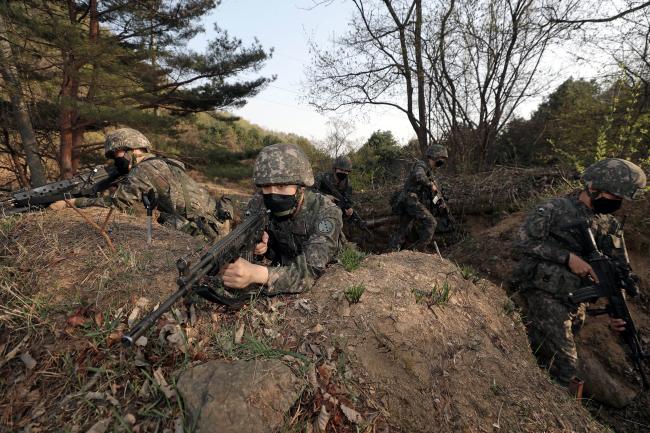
<point x="239" y="242"/>
<point x="441" y="208"/>
<point x="344" y="203"/>
<point x="614" y="278"/>
<point x="86" y="184"/>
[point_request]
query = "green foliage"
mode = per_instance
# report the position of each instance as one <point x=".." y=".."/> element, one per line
<point x="580" y="123"/>
<point x="376" y="162"/>
<point x="350" y="257"/>
<point x="136" y="70"/>
<point x="224" y="147"/>
<point x="353" y="293"/>
<point x="438" y="295"/>
<point x="468" y="273"/>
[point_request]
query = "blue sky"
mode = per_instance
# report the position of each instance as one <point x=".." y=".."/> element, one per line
<point x="287" y="26"/>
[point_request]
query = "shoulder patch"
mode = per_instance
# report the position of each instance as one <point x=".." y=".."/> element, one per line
<point x="326" y="226"/>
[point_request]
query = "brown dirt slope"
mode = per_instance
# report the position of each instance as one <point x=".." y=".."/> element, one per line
<point x="424" y="350"/>
<point x="438" y="365"/>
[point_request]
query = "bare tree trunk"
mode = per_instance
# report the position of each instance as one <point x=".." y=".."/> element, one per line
<point x="15" y="160"/>
<point x="68" y="115"/>
<point x="422" y="132"/>
<point x="21" y="112"/>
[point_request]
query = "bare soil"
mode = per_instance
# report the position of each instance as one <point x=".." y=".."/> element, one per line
<point x="424" y="349"/>
<point x="437" y="365"/>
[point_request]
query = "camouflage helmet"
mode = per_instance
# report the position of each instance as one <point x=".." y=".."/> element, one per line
<point x="125" y="138"/>
<point x="436" y="151"/>
<point x="343" y="163"/>
<point x="615" y="176"/>
<point x="282" y="164"/>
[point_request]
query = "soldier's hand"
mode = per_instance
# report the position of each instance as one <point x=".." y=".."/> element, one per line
<point x="581" y="268"/>
<point x="434" y="188"/>
<point x="59" y="205"/>
<point x="263" y="246"/>
<point x="242" y="273"/>
<point x="349" y="211"/>
<point x="617" y="325"/>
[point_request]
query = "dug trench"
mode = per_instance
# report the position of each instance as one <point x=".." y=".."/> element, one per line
<point x="388" y="342"/>
<point x="490" y="209"/>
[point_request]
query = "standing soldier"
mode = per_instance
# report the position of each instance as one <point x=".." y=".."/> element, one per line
<point x="337" y="179"/>
<point x="415" y="202"/>
<point x="304" y="233"/>
<point x="183" y="204"/>
<point x="550" y="246"/>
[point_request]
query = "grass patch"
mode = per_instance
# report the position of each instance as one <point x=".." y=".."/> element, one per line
<point x="438" y="295"/>
<point x="353" y="293"/>
<point x="350" y="258"/>
<point x="509" y="307"/>
<point x="8" y="223"/>
<point x="468" y="273"/>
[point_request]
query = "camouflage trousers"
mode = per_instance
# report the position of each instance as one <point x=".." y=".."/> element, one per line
<point x="552" y="326"/>
<point x="412" y="211"/>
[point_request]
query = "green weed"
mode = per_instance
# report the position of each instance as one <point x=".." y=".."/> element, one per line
<point x="8" y="223"/>
<point x="353" y="293"/>
<point x="438" y="295"/>
<point x="468" y="273"/>
<point x="351" y="258"/>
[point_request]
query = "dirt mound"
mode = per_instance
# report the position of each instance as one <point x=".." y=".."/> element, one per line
<point x="65" y="259"/>
<point x="434" y="351"/>
<point x="424" y="350"/>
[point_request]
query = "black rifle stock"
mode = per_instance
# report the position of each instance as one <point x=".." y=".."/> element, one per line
<point x="239" y="242"/>
<point x="87" y="184"/>
<point x="613" y="280"/>
<point x="439" y="203"/>
<point x="344" y="204"/>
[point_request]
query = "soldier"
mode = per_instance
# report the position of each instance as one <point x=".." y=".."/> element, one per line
<point x="304" y="233"/>
<point x="337" y="178"/>
<point x="183" y="204"/>
<point x="550" y="246"/>
<point x="414" y="203"/>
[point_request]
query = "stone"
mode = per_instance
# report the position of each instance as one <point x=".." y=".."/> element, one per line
<point x="240" y="396"/>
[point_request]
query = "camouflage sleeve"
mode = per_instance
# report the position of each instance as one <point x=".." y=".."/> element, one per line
<point x="130" y="192"/>
<point x="348" y="194"/>
<point x="318" y="182"/>
<point x="318" y="251"/>
<point x="420" y="176"/>
<point x="535" y="232"/>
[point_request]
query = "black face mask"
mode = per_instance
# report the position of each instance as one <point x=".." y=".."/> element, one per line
<point x="440" y="163"/>
<point x="122" y="164"/>
<point x="606" y="205"/>
<point x="341" y="176"/>
<point x="280" y="205"/>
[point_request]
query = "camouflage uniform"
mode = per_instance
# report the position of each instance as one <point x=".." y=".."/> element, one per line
<point x="545" y="241"/>
<point x="342" y="186"/>
<point x="412" y="206"/>
<point x="183" y="204"/>
<point x="415" y="202"/>
<point x="300" y="247"/>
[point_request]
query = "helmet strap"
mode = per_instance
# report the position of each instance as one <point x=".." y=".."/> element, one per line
<point x="300" y="195"/>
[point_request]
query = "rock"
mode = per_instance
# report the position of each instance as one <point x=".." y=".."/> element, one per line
<point x="240" y="396"/>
